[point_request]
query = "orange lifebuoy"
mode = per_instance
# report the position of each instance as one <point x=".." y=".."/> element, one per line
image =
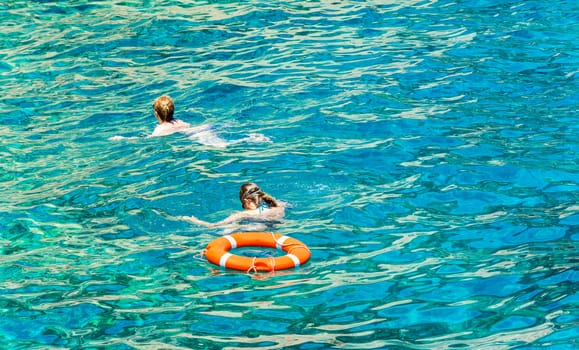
<point x="217" y="251"/>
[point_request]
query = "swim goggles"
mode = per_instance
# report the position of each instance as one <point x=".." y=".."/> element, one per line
<point x="253" y="192"/>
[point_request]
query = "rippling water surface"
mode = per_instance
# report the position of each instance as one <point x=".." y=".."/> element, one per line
<point x="428" y="150"/>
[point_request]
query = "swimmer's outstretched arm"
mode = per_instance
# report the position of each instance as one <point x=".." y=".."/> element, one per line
<point x="230" y="219"/>
<point x="191" y="219"/>
<point x="270" y="215"/>
<point x="195" y="221"/>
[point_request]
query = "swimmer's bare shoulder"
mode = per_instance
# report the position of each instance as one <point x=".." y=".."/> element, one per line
<point x="169" y="128"/>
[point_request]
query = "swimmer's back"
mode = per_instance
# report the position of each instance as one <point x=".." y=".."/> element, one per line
<point x="169" y="128"/>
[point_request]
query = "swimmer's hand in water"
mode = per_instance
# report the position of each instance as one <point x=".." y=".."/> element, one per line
<point x="190" y="219"/>
<point x="195" y="221"/>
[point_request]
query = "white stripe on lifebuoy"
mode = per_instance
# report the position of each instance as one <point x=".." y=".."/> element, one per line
<point x="232" y="241"/>
<point x="295" y="259"/>
<point x="279" y="242"/>
<point x="224" y="258"/>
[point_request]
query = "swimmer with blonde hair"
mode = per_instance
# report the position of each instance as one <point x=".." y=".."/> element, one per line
<point x="164" y="110"/>
<point x="257" y="205"/>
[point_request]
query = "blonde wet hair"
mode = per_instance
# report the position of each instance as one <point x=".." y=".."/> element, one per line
<point x="164" y="108"/>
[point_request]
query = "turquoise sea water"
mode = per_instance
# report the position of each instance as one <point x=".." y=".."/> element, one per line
<point x="428" y="151"/>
